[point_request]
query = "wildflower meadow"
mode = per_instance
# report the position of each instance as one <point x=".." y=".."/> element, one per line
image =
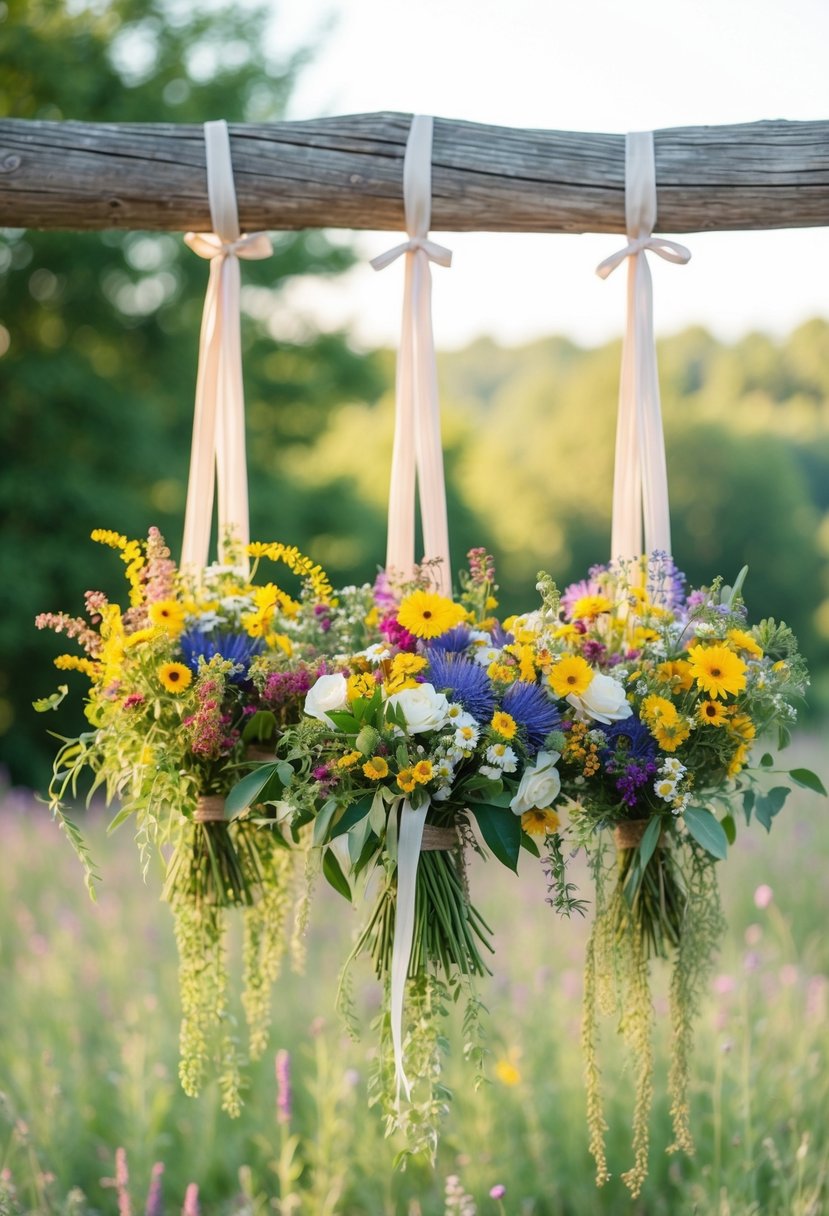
<point x="93" y="1119"/>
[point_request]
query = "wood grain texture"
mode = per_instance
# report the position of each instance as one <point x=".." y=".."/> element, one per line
<point x="346" y="172"/>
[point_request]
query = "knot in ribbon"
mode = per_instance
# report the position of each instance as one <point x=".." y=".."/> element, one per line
<point x="253" y="246"/>
<point x="671" y="251"/>
<point x="416" y="244"/>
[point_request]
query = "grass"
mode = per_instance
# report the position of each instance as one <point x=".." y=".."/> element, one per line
<point x="88" y="1054"/>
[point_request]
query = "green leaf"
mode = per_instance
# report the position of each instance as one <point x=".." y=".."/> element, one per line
<point x="285" y="772"/>
<point x="730" y="828"/>
<point x="259" y="786"/>
<point x="767" y="760"/>
<point x="352" y="815"/>
<point x="501" y="831"/>
<point x="707" y="831"/>
<point x="333" y="872"/>
<point x="529" y="844"/>
<point x="345" y="722"/>
<point x="323" y="819"/>
<point x="44" y="704"/>
<point x="770" y="804"/>
<point x="649" y="841"/>
<point x="784" y="737"/>
<point x="260" y="727"/>
<point x="748" y="804"/>
<point x="358" y="839"/>
<point x="808" y="780"/>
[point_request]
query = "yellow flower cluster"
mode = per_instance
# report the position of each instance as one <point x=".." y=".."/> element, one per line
<point x="666" y="724"/>
<point x="301" y="565"/>
<point x="420" y="774"/>
<point x="131" y="555"/>
<point x="74" y="662"/>
<point x="425" y="614"/>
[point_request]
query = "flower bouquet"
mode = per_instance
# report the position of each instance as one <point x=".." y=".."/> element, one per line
<point x="663" y="694"/>
<point x="436" y="728"/>
<point x="183" y="686"/>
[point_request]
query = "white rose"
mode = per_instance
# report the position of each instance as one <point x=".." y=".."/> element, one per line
<point x="329" y="694"/>
<point x="539" y="785"/>
<point x="423" y="708"/>
<point x="603" y="700"/>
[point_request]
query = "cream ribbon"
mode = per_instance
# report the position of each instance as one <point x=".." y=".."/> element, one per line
<point x="408" y="858"/>
<point x="640" y="480"/>
<point x="217" y="454"/>
<point x="417" y="455"/>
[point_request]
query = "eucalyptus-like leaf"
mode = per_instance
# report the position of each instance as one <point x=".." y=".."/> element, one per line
<point x="707" y="831"/>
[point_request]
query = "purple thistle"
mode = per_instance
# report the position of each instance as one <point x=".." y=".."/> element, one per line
<point x="284" y="1094"/>
<point x="454" y="641"/>
<point x="534" y="712"/>
<point x="191" y="1201"/>
<point x="463" y="681"/>
<point x="593" y="650"/>
<point x="154" y="1206"/>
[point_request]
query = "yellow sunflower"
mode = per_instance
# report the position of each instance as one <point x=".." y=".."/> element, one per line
<point x="175" y="676"/>
<point x="572" y="674"/>
<point x="588" y="607"/>
<point x="425" y="614"/>
<point x="717" y="670"/>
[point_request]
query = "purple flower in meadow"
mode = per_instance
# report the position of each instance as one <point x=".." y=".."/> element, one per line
<point x="284" y="1096"/>
<point x="763" y="896"/>
<point x="122" y="1181"/>
<point x="191" y="1201"/>
<point x="155" y="1206"/>
<point x="498" y="1191"/>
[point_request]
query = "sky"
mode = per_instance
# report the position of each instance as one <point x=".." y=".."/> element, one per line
<point x="590" y="65"/>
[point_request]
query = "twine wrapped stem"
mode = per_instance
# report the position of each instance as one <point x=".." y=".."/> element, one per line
<point x="438" y="840"/>
<point x="628" y="835"/>
<point x="210" y="808"/>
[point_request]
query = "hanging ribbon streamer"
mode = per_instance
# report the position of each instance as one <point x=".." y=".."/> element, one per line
<point x="417" y="455"/>
<point x="640" y="480"/>
<point x="218" y="450"/>
<point x="408" y="858"/>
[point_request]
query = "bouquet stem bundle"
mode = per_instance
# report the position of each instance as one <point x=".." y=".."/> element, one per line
<point x="448" y="928"/>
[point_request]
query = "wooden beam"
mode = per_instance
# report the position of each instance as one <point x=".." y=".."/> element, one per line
<point x="347" y="173"/>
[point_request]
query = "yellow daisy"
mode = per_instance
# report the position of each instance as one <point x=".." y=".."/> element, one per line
<point x="657" y="709"/>
<point x="425" y="614"/>
<point x="717" y="670"/>
<point x="376" y="768"/>
<point x="349" y="759"/>
<point x="175" y="676"/>
<point x="406" y="780"/>
<point x="571" y="674"/>
<point x="740" y="640"/>
<point x="503" y="724"/>
<point x="712" y="712"/>
<point x="588" y="607"/>
<point x="540" y="821"/>
<point x="169" y="614"/>
<point x="669" y="735"/>
<point x="422" y="771"/>
<point x="742" y="726"/>
<point x="677" y="673"/>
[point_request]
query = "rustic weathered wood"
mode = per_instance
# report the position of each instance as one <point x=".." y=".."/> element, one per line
<point x="347" y="173"/>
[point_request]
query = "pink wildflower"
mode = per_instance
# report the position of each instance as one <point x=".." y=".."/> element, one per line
<point x="160" y="571"/>
<point x="154" y="1205"/>
<point x="191" y="1201"/>
<point x="284" y="1094"/>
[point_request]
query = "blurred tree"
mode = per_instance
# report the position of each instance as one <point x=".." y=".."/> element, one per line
<point x="99" y="333"/>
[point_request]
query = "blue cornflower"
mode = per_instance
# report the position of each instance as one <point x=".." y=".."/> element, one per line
<point x="462" y="681"/>
<point x="636" y="740"/>
<point x="237" y="648"/>
<point x="454" y="641"/>
<point x="533" y="710"/>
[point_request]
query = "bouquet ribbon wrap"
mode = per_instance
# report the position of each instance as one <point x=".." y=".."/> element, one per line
<point x="412" y="822"/>
<point x="417" y="455"/>
<point x="218" y="450"/>
<point x="640" y="479"/>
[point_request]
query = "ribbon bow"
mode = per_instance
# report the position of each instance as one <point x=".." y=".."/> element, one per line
<point x="640" y="479"/>
<point x="417" y="456"/>
<point x="434" y="252"/>
<point x="253" y="246"/>
<point x="217" y="455"/>
<point x="671" y="251"/>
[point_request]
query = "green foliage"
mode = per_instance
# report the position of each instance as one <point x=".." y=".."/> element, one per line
<point x="102" y="330"/>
